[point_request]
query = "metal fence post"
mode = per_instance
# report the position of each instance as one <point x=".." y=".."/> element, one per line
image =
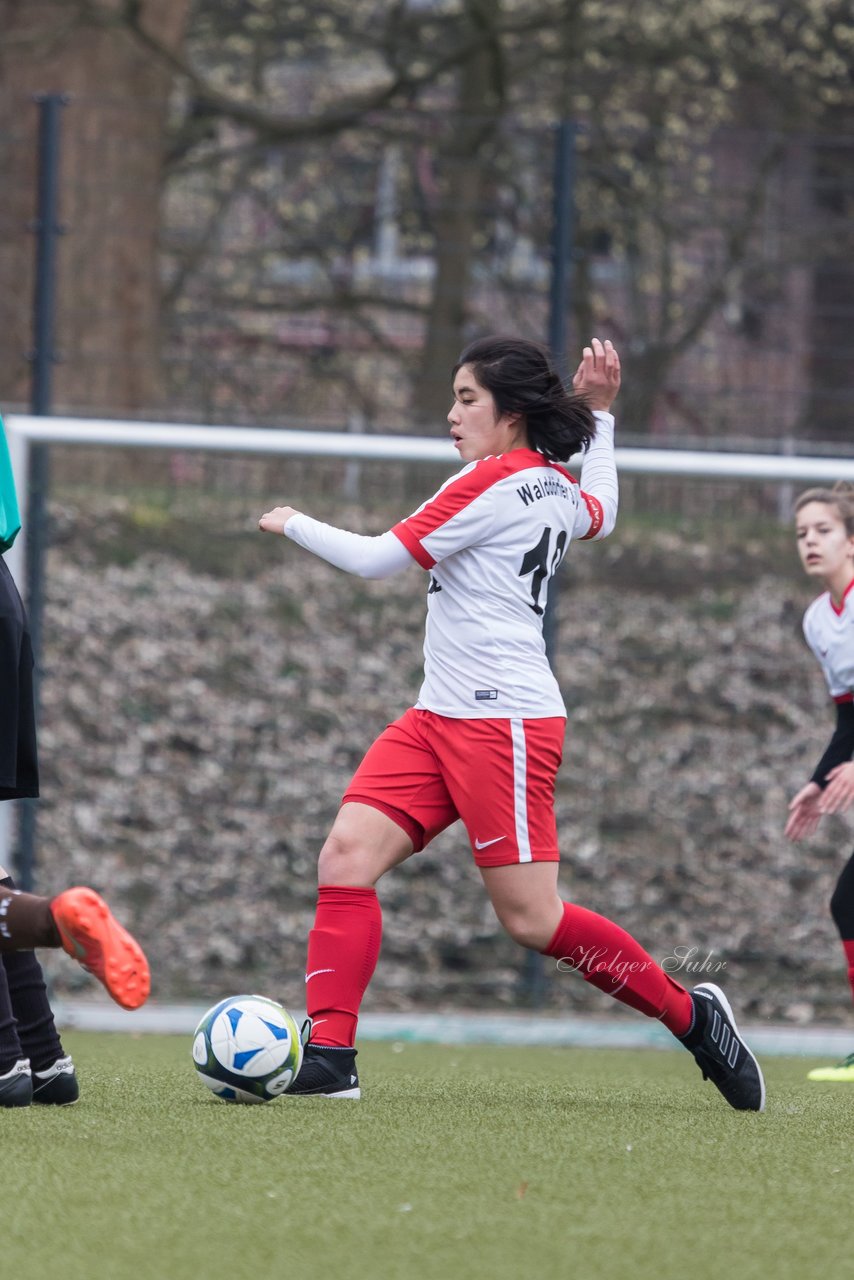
<point x="563" y="220"/>
<point x="563" y="224"/>
<point x="43" y="357"/>
<point x="563" y="206"/>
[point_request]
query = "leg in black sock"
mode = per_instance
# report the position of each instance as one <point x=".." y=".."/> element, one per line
<point x="30" y="1006"/>
<point x="842" y="902"/>
<point x="842" y="910"/>
<point x="10" y="1044"/>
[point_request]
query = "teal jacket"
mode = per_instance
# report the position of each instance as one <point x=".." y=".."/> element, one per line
<point x="10" y="519"/>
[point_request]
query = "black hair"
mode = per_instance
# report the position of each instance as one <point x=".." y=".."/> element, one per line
<point x="522" y="379"/>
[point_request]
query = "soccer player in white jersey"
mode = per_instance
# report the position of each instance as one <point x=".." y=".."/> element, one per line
<point x="483" y="742"/>
<point x="824" y="523"/>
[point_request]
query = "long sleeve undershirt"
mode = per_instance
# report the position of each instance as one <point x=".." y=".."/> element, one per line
<point x="357" y="553"/>
<point x="381" y="556"/>
<point x="599" y="472"/>
<point x="841" y="745"/>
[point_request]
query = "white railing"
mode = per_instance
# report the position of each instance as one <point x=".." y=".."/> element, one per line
<point x="24" y="430"/>
<point x="341" y="444"/>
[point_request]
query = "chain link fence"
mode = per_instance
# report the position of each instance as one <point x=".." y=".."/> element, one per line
<point x="332" y="281"/>
<point x="206" y="693"/>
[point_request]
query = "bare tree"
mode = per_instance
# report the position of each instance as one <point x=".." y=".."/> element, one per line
<point x="112" y="155"/>
<point x="281" y="123"/>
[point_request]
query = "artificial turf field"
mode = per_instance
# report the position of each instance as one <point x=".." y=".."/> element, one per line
<point x="458" y="1162"/>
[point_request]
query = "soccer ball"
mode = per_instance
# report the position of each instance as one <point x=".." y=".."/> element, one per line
<point x="247" y="1049"/>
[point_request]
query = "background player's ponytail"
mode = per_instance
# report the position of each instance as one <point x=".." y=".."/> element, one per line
<point x="841" y="497"/>
<point x="522" y="379"/>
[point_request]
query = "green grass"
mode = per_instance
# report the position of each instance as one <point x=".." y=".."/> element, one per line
<point x="458" y="1162"/>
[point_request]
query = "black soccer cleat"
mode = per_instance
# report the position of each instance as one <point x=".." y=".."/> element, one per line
<point x="57" y="1085"/>
<point x="16" y="1086"/>
<point x="326" y="1072"/>
<point x="720" y="1052"/>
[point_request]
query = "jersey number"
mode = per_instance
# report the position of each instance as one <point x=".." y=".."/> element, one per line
<point x="541" y="562"/>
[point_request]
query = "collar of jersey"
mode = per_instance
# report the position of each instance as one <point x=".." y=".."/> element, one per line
<point x="520" y="459"/>
<point x="839" y="609"/>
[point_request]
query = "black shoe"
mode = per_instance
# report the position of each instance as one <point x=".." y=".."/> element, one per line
<point x="16" y="1086"/>
<point x="327" y="1072"/>
<point x="56" y="1085"/>
<point x="720" y="1052"/>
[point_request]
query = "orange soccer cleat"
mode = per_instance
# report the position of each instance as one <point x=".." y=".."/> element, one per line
<point x="92" y="936"/>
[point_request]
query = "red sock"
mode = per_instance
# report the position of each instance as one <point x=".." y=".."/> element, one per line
<point x="609" y="958"/>
<point x="343" y="948"/>
<point x="848" y="948"/>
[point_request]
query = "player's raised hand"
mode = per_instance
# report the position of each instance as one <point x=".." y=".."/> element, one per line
<point x="274" y="521"/>
<point x="597" y="377"/>
<point x="804" y="812"/>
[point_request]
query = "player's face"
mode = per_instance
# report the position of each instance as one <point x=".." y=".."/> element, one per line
<point x="476" y="430"/>
<point x="824" y="545"/>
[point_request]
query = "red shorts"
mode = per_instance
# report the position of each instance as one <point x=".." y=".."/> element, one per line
<point x="425" y="771"/>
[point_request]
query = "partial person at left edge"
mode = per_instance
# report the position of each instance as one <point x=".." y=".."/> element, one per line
<point x="33" y="1064"/>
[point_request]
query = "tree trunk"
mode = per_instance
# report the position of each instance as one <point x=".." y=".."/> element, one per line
<point x="463" y="169"/>
<point x="831" y="333"/>
<point x="455" y="226"/>
<point x="107" y="285"/>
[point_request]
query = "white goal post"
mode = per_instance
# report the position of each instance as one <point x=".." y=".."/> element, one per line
<point x="25" y="430"/>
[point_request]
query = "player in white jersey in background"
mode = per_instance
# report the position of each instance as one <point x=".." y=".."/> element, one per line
<point x="824" y="524"/>
<point x="484" y="741"/>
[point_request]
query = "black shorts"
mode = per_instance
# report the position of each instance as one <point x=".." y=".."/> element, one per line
<point x="19" y="761"/>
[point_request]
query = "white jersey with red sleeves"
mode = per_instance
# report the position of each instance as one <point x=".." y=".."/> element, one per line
<point x="829" y="632"/>
<point x="491" y="538"/>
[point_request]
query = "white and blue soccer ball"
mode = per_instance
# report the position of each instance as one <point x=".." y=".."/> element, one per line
<point x="247" y="1049"/>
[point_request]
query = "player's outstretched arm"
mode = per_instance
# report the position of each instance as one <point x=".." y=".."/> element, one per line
<point x="357" y="553"/>
<point x="598" y="380"/>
